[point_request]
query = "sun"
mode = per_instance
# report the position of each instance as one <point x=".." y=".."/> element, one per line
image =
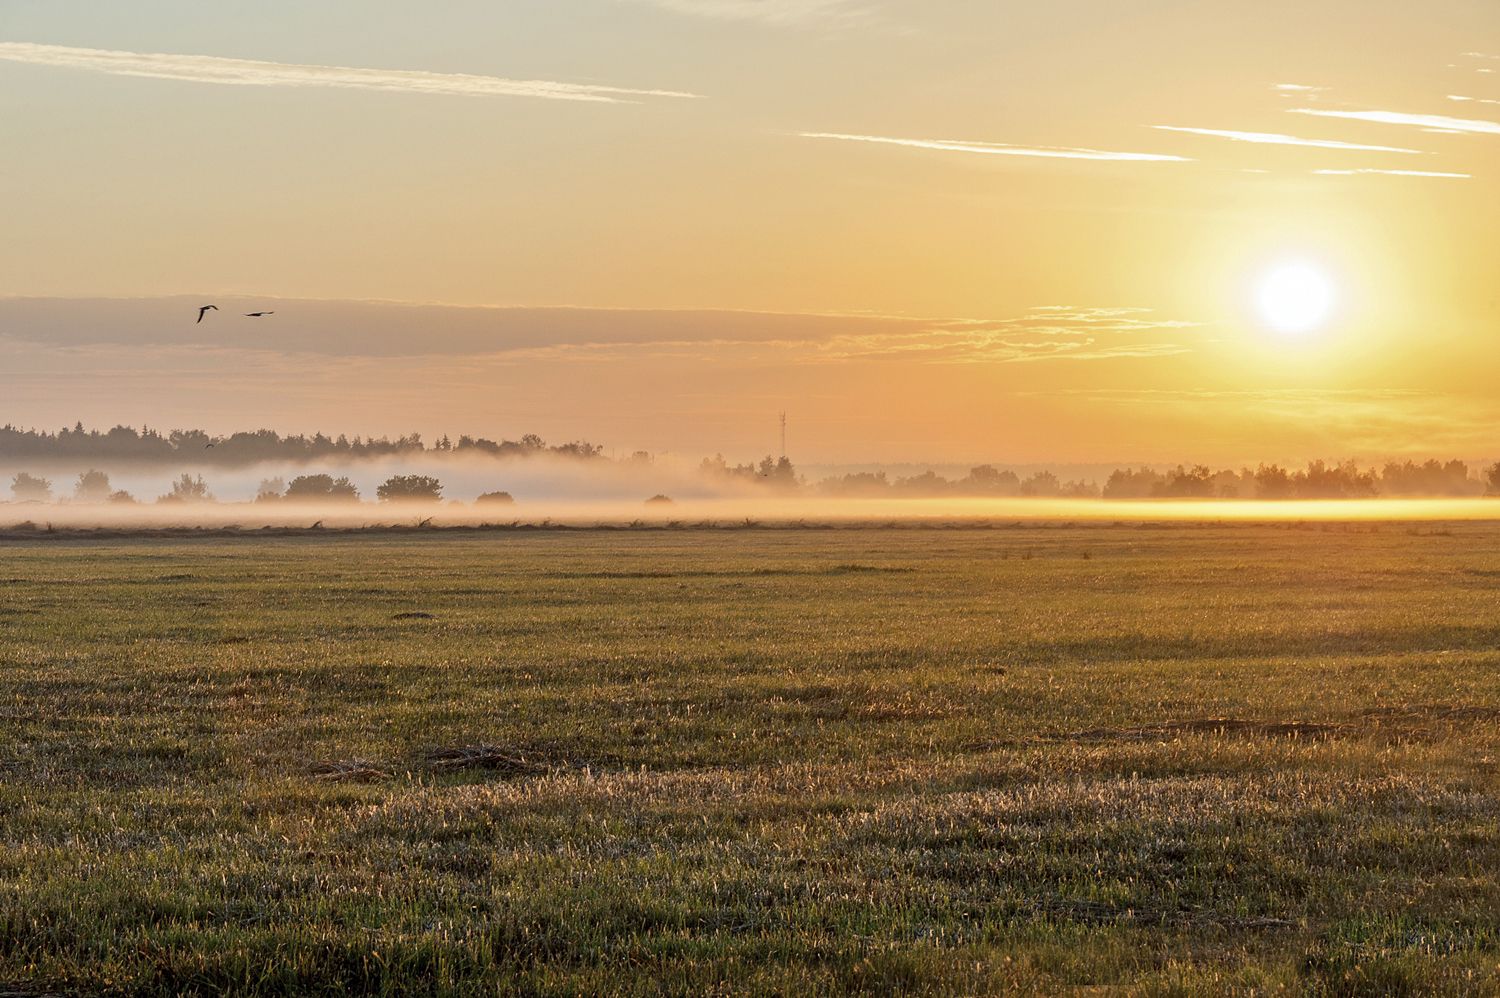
<point x="1295" y="297"/>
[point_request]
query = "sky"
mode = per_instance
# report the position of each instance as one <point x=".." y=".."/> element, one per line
<point x="946" y="231"/>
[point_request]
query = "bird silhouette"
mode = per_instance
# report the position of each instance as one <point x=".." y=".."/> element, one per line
<point x="204" y="309"/>
<point x="255" y="314"/>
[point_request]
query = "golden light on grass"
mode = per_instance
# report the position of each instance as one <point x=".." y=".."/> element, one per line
<point x="858" y="761"/>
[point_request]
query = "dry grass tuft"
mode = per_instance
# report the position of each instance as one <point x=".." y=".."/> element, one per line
<point x="505" y="760"/>
<point x="352" y="771"/>
<point x="1217" y="726"/>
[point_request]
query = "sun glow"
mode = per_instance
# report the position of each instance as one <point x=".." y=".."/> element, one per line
<point x="1295" y="297"/>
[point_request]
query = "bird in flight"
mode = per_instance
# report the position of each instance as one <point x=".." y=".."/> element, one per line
<point x="204" y="309"/>
<point x="257" y="314"/>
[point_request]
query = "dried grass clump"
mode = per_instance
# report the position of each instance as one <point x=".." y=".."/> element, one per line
<point x="1217" y="726"/>
<point x="505" y="760"/>
<point x="351" y="771"/>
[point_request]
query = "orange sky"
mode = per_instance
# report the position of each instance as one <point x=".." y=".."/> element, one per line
<point x="941" y="231"/>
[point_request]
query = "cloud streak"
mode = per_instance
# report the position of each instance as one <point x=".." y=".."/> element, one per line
<point x="783" y="12"/>
<point x="1272" y="138"/>
<point x="1441" y="121"/>
<point x="1051" y="332"/>
<point x="998" y="149"/>
<point x="248" y="72"/>
<point x="1393" y="173"/>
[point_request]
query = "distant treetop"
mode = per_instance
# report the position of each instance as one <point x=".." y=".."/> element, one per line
<point x="125" y="444"/>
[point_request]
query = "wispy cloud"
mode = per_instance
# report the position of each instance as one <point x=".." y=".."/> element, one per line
<point x="1062" y="332"/>
<point x="1052" y="332"/>
<point x="786" y="12"/>
<point x="998" y="149"/>
<point x="1440" y="121"/>
<point x="247" y="72"/>
<point x="1477" y="100"/>
<point x="1394" y="173"/>
<point x="1272" y="138"/>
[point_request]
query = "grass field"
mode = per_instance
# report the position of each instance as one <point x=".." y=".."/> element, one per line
<point x="1156" y="760"/>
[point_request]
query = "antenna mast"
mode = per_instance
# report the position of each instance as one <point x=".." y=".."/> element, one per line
<point x="783" y="433"/>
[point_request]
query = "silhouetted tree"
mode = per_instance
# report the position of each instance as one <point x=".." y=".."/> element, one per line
<point x="27" y="488"/>
<point x="496" y="497"/>
<point x="410" y="488"/>
<point x="862" y="483"/>
<point x="985" y="480"/>
<point x="1338" y="481"/>
<point x="318" y="488"/>
<point x="1273" y="483"/>
<point x="1319" y="481"/>
<point x="188" y="489"/>
<point x="929" y="483"/>
<point x="778" y="473"/>
<point x="270" y="490"/>
<point x="1430" y="478"/>
<point x="1041" y="483"/>
<point x="122" y="497"/>
<point x="1044" y="484"/>
<point x="1184" y="484"/>
<point x="92" y="486"/>
<point x="1126" y="484"/>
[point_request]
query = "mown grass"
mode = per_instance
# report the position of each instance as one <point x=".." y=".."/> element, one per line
<point x="754" y="762"/>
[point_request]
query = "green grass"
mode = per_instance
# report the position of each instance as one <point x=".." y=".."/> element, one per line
<point x="889" y="761"/>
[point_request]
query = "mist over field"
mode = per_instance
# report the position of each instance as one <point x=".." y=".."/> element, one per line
<point x="125" y="477"/>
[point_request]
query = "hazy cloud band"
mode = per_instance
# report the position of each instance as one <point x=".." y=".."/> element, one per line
<point x="784" y="12"/>
<point x="1420" y="120"/>
<point x="247" y="72"/>
<point x="1395" y="173"/>
<point x="997" y="149"/>
<point x="1272" y="138"/>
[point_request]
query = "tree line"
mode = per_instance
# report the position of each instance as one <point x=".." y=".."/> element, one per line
<point x="148" y="446"/>
<point x="1319" y="480"/>
<point x="94" y="487"/>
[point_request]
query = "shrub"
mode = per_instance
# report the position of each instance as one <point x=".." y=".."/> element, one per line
<point x="27" y="488"/>
<point x="410" y="488"/>
<point x="321" y="487"/>
<point x="496" y="497"/>
<point x="188" y="489"/>
<point x="93" y="486"/>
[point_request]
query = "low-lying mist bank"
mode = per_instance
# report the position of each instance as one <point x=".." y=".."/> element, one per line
<point x="739" y="513"/>
<point x="562" y="476"/>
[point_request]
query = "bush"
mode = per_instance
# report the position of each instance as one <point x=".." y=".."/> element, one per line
<point x="321" y="487"/>
<point x="188" y="489"/>
<point x="410" y="488"/>
<point x="496" y="497"/>
<point x="27" y="488"/>
<point x="93" y="486"/>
